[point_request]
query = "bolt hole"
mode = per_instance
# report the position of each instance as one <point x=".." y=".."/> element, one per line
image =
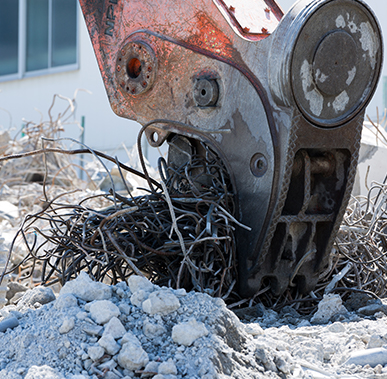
<point x="260" y="164"/>
<point x="204" y="92"/>
<point x="155" y="137"/>
<point x="134" y="68"/>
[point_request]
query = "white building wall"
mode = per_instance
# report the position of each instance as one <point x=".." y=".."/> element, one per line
<point x="103" y="129"/>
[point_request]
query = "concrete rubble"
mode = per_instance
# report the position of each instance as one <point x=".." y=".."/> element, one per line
<point x="91" y="330"/>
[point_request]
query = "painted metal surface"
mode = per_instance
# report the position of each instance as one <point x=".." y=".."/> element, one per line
<point x="267" y="92"/>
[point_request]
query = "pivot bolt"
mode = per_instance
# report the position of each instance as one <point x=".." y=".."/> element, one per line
<point x="258" y="165"/>
<point x="206" y="92"/>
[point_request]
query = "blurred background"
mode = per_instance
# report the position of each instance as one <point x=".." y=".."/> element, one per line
<point x="45" y="50"/>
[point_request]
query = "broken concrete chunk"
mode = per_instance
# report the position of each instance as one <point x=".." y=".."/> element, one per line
<point x="43" y="372"/>
<point x="337" y="327"/>
<point x="95" y="352"/>
<point x="67" y="325"/>
<point x="132" y="356"/>
<point x="167" y="368"/>
<point x="66" y="301"/>
<point x="375" y="341"/>
<point x="139" y="297"/>
<point x="161" y="302"/>
<point x="150" y="369"/>
<point x="152" y="330"/>
<point x="86" y="289"/>
<point x="372" y="357"/>
<point x="186" y="333"/>
<point x="370" y="310"/>
<point x="8" y="323"/>
<point x="14" y="288"/>
<point x="102" y="311"/>
<point x="92" y="330"/>
<point x="253" y="329"/>
<point x="130" y="337"/>
<point x="109" y="344"/>
<point x="115" y="328"/>
<point x="137" y="283"/>
<point x="331" y="305"/>
<point x="40" y="294"/>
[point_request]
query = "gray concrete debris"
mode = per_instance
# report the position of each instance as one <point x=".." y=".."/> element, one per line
<point x="8" y="323"/>
<point x="71" y="338"/>
<point x="35" y="297"/>
<point x="14" y="288"/>
<point x="331" y="305"/>
<point x="372" y="357"/>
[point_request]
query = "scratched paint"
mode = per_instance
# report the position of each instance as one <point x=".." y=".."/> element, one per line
<point x="369" y="41"/>
<point x="340" y="22"/>
<point x="320" y="76"/>
<point x="341" y="102"/>
<point x="313" y="96"/>
<point x="351" y="76"/>
<point x="368" y="38"/>
<point x="210" y="37"/>
<point x="352" y="27"/>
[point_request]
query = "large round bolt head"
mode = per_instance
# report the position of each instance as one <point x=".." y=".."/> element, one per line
<point x="206" y="92"/>
<point x="336" y="62"/>
<point x="334" y="58"/>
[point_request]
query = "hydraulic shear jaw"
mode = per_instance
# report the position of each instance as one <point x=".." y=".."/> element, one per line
<point x="280" y="99"/>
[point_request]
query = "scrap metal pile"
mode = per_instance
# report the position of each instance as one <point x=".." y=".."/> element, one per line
<point x="362" y="242"/>
<point x="176" y="235"/>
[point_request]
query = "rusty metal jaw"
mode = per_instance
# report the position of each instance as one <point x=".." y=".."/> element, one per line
<point x="282" y="103"/>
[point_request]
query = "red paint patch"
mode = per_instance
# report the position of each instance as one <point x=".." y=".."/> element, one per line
<point x="210" y="38"/>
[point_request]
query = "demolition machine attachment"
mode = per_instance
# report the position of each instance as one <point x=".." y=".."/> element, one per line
<point x="280" y="98"/>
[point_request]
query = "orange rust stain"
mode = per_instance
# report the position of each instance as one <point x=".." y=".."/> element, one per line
<point x="210" y="37"/>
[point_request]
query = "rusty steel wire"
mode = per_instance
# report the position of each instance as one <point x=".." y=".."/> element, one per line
<point x="181" y="235"/>
<point x="362" y="243"/>
<point x="30" y="167"/>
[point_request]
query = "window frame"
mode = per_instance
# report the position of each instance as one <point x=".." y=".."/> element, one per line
<point x="22" y="48"/>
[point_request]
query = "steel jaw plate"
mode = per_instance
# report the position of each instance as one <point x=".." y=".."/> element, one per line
<point x="281" y="98"/>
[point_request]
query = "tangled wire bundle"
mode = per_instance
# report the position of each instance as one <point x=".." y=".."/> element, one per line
<point x="362" y="243"/>
<point x="180" y="234"/>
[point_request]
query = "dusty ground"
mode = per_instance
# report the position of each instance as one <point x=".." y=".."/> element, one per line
<point x="92" y="330"/>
